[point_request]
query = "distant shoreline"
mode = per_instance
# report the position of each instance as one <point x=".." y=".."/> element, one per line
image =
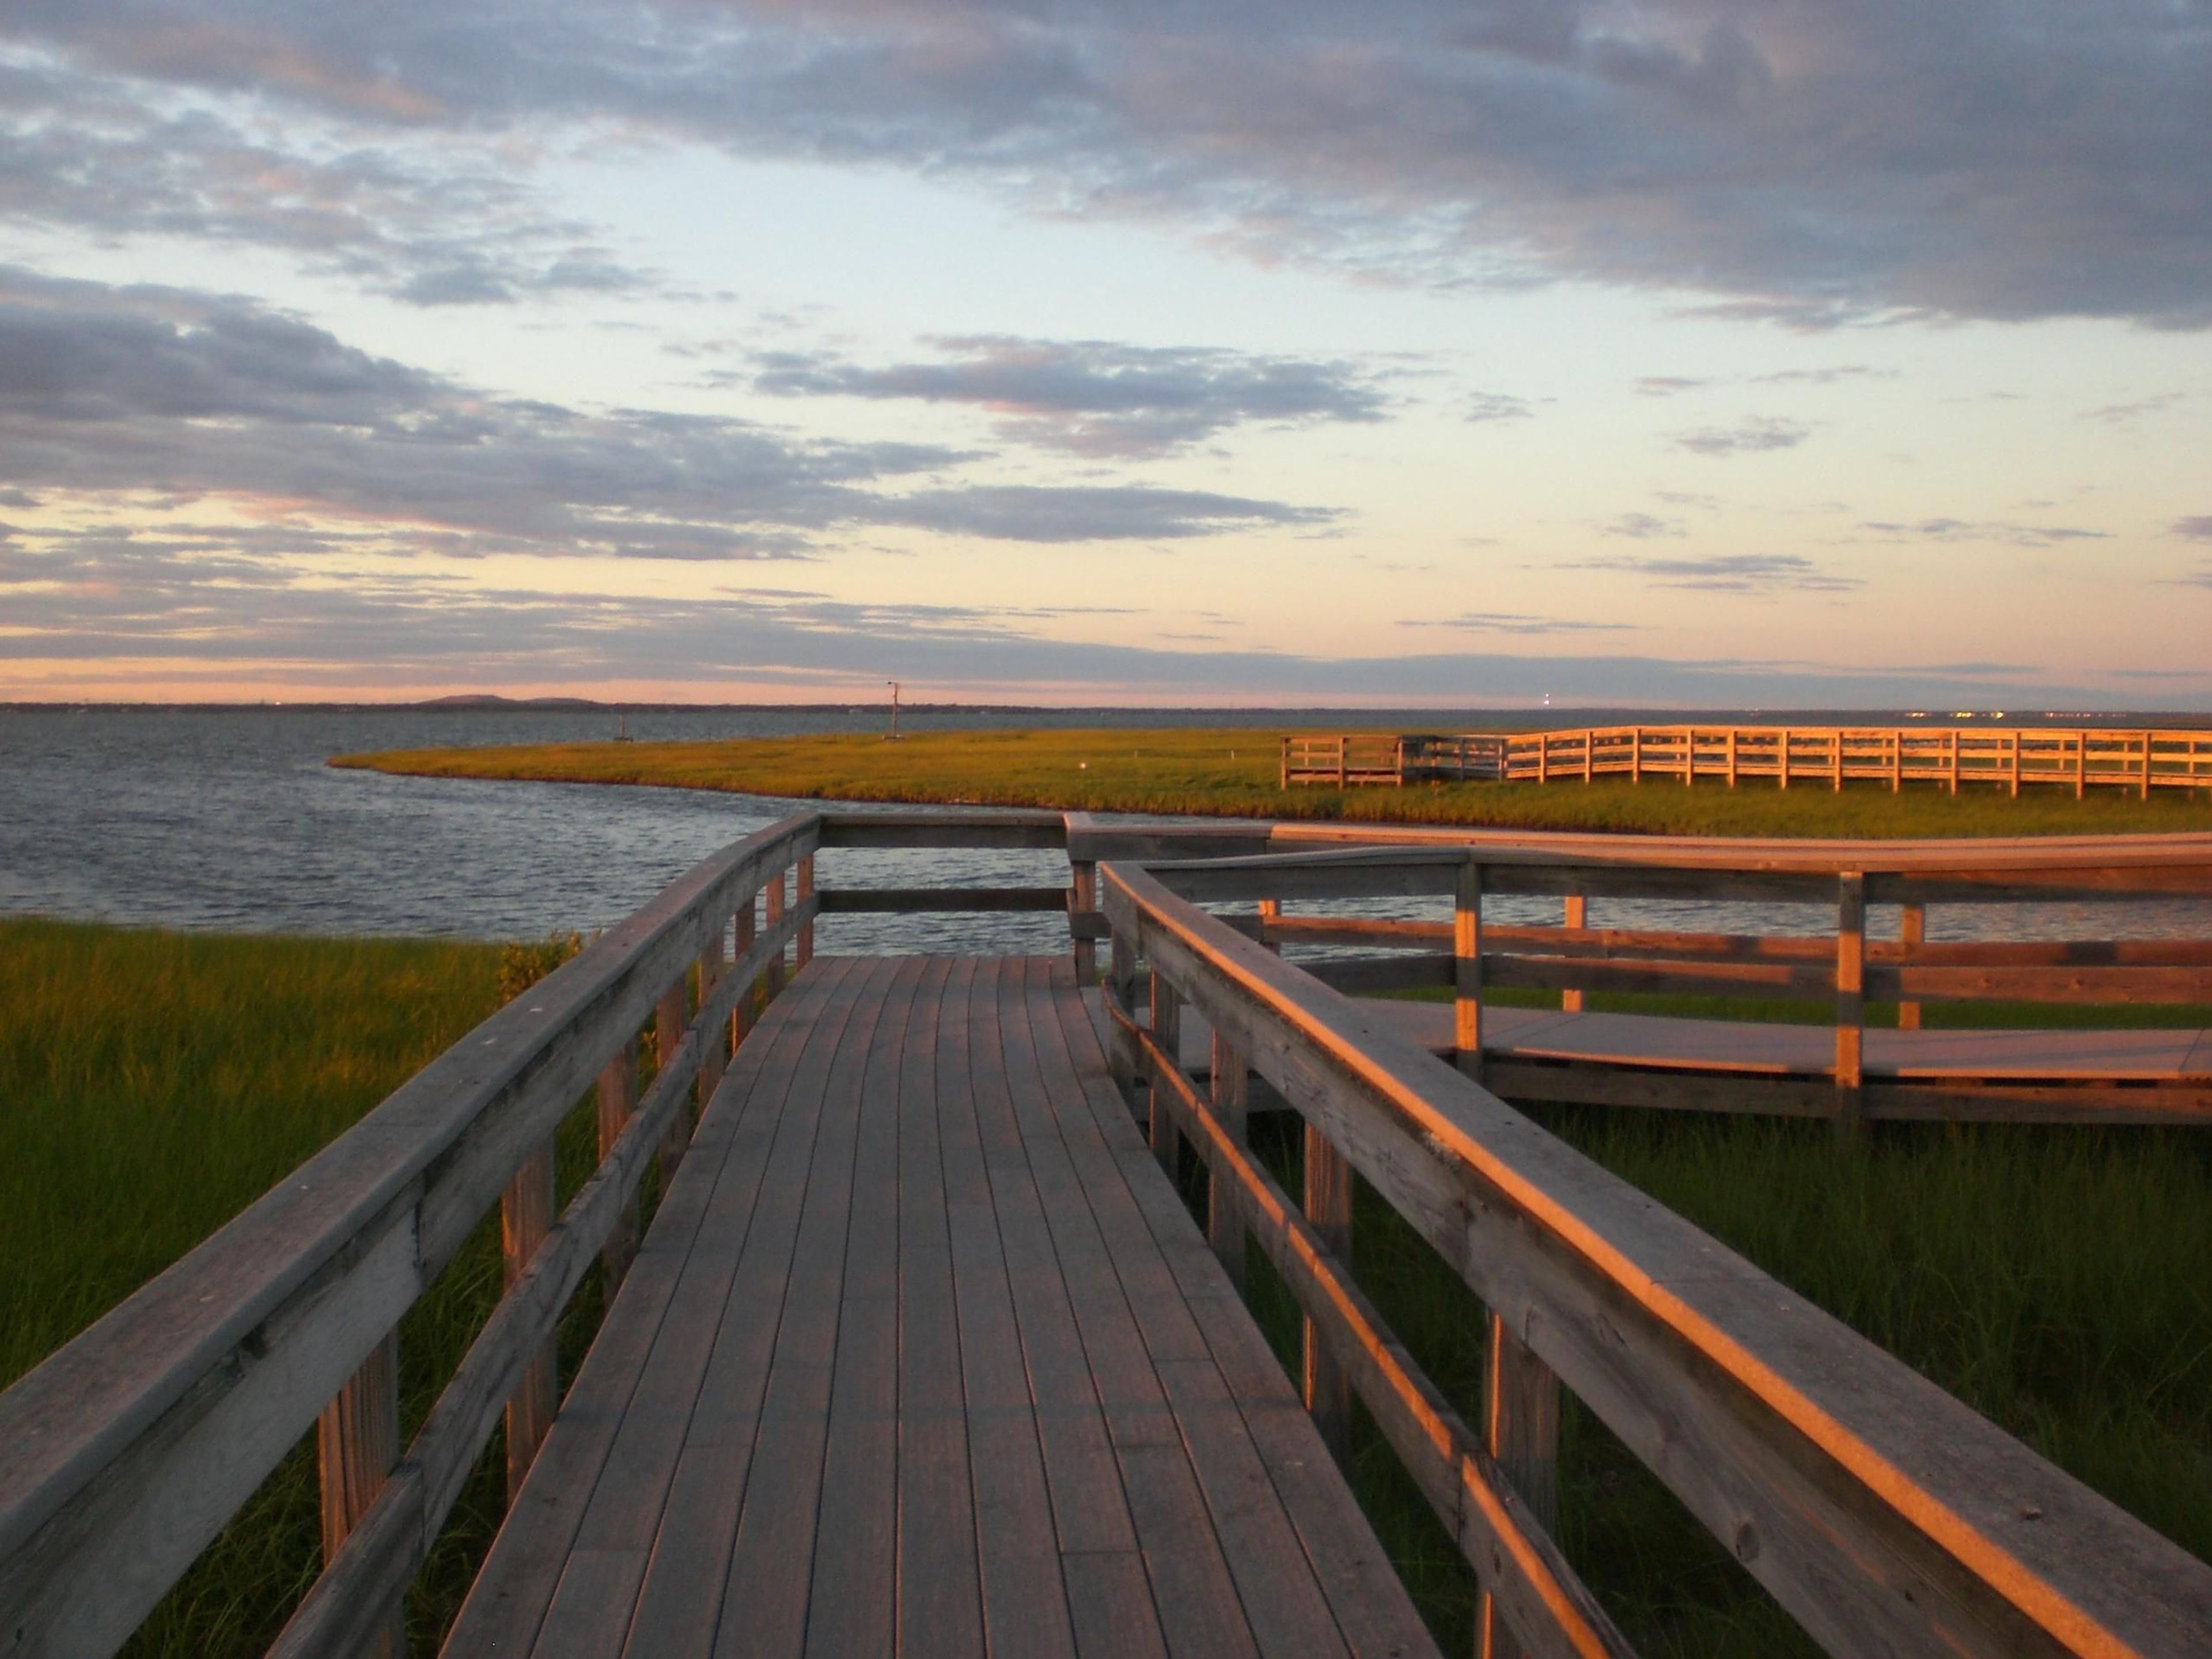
<point x="1231" y="772"/>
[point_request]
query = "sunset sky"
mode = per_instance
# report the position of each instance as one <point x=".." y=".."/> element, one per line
<point x="1798" y="353"/>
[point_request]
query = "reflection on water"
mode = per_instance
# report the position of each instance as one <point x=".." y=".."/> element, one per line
<point x="230" y="821"/>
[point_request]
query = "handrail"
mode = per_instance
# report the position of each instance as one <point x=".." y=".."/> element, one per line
<point x="1883" y="1514"/>
<point x="125" y="1453"/>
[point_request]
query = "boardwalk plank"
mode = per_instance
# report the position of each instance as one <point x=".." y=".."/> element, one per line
<point x="856" y="1535"/>
<point x="764" y="1607"/>
<point x="506" y="1605"/>
<point x="922" y="1356"/>
<point x="1025" y="1601"/>
<point x="680" y="1604"/>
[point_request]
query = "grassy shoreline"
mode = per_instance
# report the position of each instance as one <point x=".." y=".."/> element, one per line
<point x="1232" y="772"/>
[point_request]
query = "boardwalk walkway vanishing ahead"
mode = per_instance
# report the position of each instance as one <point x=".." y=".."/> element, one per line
<point x="923" y="1355"/>
<point x="924" y="1350"/>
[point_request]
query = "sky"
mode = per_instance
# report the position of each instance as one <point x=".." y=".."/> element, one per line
<point x="1704" y="353"/>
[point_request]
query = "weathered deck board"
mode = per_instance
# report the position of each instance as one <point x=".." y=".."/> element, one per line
<point x="922" y="1355"/>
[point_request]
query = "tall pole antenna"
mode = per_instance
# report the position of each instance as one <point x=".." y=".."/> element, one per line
<point x="894" y="685"/>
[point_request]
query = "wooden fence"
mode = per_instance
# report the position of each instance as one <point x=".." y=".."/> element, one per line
<point x="1946" y="757"/>
<point x="1884" y="1516"/>
<point x="1346" y="758"/>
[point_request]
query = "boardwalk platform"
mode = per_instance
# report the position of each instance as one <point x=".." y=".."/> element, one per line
<point x="922" y="1354"/>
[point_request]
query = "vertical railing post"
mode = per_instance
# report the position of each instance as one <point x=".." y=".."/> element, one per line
<point x="1467" y="969"/>
<point x="1782" y="749"/>
<point x="1851" y="1002"/>
<point x="772" y="980"/>
<point x="804" y="952"/>
<point x="2013" y="738"/>
<point x="1167" y="1034"/>
<point x="526" y="1215"/>
<point x="670" y="1017"/>
<point x="1121" y="987"/>
<point x="713" y="964"/>
<point x="1520" y="1431"/>
<point x="745" y="932"/>
<point x="356" y="1443"/>
<point x="2146" y="766"/>
<point x="1342" y="743"/>
<point x="1328" y="1207"/>
<point x="618" y="1098"/>
<point x="1283" y="778"/>
<point x="1912" y="930"/>
<point x="1082" y="905"/>
<point x="1731" y="757"/>
<point x="1577" y="915"/>
<point x="1225" y="1211"/>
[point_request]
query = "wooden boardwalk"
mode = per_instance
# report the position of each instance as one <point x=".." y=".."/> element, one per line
<point x="922" y="1354"/>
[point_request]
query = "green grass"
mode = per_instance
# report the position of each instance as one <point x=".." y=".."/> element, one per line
<point x="1233" y="773"/>
<point x="152" y="1085"/>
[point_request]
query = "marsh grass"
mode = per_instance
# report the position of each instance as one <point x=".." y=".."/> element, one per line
<point x="152" y="1085"/>
<point x="1233" y="772"/>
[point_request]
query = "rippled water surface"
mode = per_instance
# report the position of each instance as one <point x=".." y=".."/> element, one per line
<point x="231" y="821"/>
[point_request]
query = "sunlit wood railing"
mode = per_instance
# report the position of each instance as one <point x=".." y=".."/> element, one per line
<point x="1882" y="1514"/>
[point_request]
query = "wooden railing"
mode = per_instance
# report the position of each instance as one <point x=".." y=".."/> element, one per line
<point x="126" y="1452"/>
<point x="1882" y="1514"/>
<point x="1947" y="757"/>
<point x="1473" y="955"/>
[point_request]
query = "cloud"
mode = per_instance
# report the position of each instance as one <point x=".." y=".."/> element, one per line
<point x="1755" y="435"/>
<point x="1667" y="385"/>
<point x="2127" y="413"/>
<point x="2197" y="526"/>
<point x="449" y="223"/>
<point x="1511" y="622"/>
<point x="165" y="394"/>
<point x="1731" y="573"/>
<point x="1963" y="530"/>
<point x="1092" y="397"/>
<point x="1499" y="406"/>
<point x="1808" y="163"/>
<point x="1642" y="526"/>
<point x="1824" y="376"/>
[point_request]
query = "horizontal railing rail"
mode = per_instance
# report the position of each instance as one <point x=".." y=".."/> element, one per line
<point x="1474" y="959"/>
<point x="1881" y="1513"/>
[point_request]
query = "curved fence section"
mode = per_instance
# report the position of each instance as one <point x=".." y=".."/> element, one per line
<point x="1884" y="1514"/>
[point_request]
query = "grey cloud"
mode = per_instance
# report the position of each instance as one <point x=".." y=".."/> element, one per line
<point x="1752" y="437"/>
<point x="1034" y="513"/>
<point x="1965" y="530"/>
<point x="1732" y="573"/>
<point x="453" y="225"/>
<point x="170" y="395"/>
<point x="1515" y="622"/>
<point x="1667" y="385"/>
<point x="1823" y="376"/>
<point x="2197" y="526"/>
<point x="2124" y="414"/>
<point x="1812" y="162"/>
<point x="1642" y="526"/>
<point x="1094" y="396"/>
<point x="1499" y="406"/>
